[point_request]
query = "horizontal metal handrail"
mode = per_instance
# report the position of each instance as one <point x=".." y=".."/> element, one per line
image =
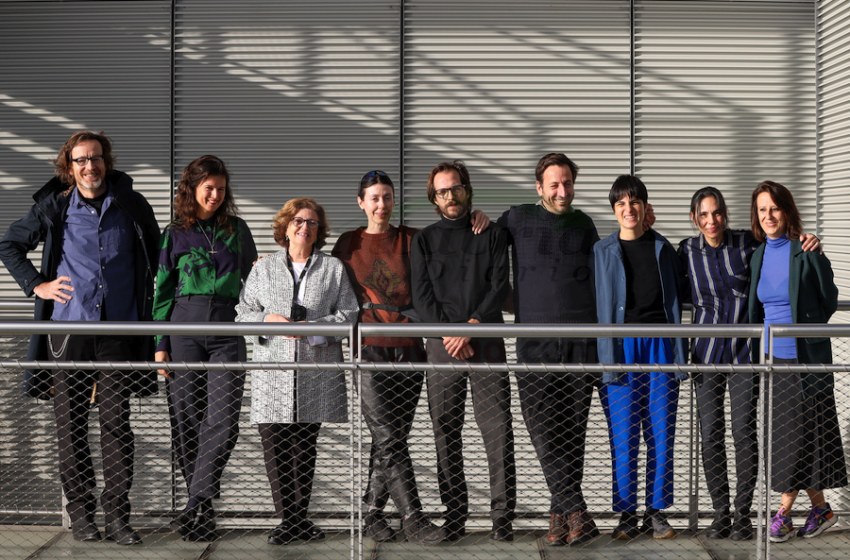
<point x="174" y="328"/>
<point x="560" y="330"/>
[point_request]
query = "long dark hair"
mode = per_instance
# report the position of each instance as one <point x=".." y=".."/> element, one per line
<point x="185" y="205"/>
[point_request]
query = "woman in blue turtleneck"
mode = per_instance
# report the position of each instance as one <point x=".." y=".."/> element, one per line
<point x="790" y="286"/>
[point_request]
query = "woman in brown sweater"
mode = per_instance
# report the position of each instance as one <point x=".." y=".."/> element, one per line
<point x="377" y="259"/>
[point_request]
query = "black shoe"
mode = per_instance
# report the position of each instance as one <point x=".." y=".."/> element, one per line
<point x="455" y="528"/>
<point x="721" y="527"/>
<point x="121" y="532"/>
<point x="202" y="528"/>
<point x="502" y="530"/>
<point x="742" y="528"/>
<point x="282" y="534"/>
<point x="85" y="530"/>
<point x="182" y="524"/>
<point x="655" y="522"/>
<point x="307" y="531"/>
<point x="627" y="529"/>
<point x="376" y="528"/>
<point x="419" y="530"/>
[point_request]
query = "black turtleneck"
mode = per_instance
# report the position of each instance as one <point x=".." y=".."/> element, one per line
<point x="457" y="275"/>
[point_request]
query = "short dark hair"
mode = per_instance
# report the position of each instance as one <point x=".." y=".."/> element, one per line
<point x="704" y="193"/>
<point x="62" y="163"/>
<point x="376" y="177"/>
<point x="784" y="200"/>
<point x="458" y="167"/>
<point x="554" y="159"/>
<point x="627" y="185"/>
<point x="292" y="207"/>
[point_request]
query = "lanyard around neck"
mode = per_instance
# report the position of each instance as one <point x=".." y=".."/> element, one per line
<point x="300" y="276"/>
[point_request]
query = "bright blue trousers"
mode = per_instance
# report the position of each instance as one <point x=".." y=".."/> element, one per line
<point x="642" y="401"/>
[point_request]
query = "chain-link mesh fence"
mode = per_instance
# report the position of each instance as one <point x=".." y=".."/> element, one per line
<point x="345" y="501"/>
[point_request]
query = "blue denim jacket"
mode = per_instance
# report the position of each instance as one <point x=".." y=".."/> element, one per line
<point x="611" y="297"/>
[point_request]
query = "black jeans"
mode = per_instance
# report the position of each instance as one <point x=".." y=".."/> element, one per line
<point x="289" y="451"/>
<point x="389" y="400"/>
<point x="491" y="402"/>
<point x="205" y="405"/>
<point x="555" y="407"/>
<point x="72" y="395"/>
<point x="743" y="394"/>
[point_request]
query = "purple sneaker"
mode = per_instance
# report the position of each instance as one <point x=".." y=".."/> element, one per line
<point x="781" y="527"/>
<point x="819" y="520"/>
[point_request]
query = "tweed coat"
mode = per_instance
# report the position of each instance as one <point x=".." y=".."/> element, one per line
<point x="329" y="298"/>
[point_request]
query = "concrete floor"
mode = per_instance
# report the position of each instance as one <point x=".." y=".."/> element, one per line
<point x="28" y="543"/>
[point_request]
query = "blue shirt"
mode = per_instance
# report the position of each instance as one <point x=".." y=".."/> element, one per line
<point x="719" y="279"/>
<point x="773" y="293"/>
<point x="98" y="254"/>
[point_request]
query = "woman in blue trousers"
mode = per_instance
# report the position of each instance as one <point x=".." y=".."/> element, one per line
<point x="639" y="401"/>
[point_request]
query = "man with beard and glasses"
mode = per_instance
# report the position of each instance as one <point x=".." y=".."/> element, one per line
<point x="100" y="238"/>
<point x="460" y="277"/>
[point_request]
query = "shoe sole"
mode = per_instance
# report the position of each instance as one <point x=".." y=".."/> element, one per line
<point x="780" y="539"/>
<point x="671" y="534"/>
<point x="623" y="536"/>
<point x="587" y="537"/>
<point x="824" y="526"/>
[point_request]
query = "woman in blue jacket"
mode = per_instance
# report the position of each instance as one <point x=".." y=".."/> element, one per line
<point x="636" y="399"/>
<point x="792" y="286"/>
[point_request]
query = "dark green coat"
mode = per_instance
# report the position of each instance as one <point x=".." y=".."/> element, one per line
<point x="813" y="295"/>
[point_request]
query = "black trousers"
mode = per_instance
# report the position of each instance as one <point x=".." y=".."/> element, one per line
<point x="289" y="451"/>
<point x="389" y="400"/>
<point x="556" y="407"/>
<point x="72" y="395"/>
<point x="204" y="405"/>
<point x="743" y="395"/>
<point x="491" y="402"/>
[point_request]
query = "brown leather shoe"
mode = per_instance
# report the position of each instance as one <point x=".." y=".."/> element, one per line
<point x="582" y="527"/>
<point x="559" y="530"/>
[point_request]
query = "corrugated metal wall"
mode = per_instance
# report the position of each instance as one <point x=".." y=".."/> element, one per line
<point x="833" y="37"/>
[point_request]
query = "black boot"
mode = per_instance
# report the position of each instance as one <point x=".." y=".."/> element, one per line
<point x="376" y="528"/>
<point x="203" y="527"/>
<point x="721" y="527"/>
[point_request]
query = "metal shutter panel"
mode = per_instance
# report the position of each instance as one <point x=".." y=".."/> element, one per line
<point x="724" y="96"/>
<point x="499" y="84"/>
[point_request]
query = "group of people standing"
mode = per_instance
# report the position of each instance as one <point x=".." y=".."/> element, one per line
<point x="204" y="267"/>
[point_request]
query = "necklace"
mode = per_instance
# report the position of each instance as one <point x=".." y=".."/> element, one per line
<point x="211" y="251"/>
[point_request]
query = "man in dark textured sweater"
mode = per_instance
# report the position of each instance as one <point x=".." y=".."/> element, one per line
<point x="553" y="276"/>
<point x="459" y="277"/>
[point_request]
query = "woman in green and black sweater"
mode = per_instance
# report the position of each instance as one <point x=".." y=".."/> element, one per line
<point x="206" y="254"/>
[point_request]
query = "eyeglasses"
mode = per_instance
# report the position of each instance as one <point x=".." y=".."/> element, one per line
<point x="298" y="222"/>
<point x="456" y="190"/>
<point x="375" y="173"/>
<point x="82" y="161"/>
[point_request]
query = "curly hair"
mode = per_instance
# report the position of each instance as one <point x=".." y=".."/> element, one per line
<point x="285" y="215"/>
<point x="185" y="203"/>
<point x="63" y="167"/>
<point x="784" y="200"/>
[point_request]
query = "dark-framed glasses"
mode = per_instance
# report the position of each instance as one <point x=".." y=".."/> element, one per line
<point x="456" y="190"/>
<point x="298" y="222"/>
<point x="82" y="161"/>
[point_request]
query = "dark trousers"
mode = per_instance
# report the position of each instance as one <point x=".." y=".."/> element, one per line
<point x="389" y="400"/>
<point x="743" y="395"/>
<point x="72" y="395"/>
<point x="289" y="451"/>
<point x="491" y="402"/>
<point x="555" y="407"/>
<point x="205" y="405"/>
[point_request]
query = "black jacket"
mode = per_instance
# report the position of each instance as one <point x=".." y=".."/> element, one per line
<point x="43" y="223"/>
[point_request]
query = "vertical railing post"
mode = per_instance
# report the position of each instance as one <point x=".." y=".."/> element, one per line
<point x="693" y="462"/>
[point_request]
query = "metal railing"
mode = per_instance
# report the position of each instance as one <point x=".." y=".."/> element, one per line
<point x="356" y="435"/>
